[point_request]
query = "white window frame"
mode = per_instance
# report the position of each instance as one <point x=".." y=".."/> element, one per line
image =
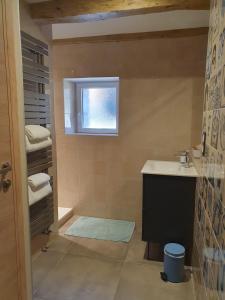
<point x="78" y="104"/>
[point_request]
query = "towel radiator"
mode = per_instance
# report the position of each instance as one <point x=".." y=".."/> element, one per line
<point x="37" y="112"/>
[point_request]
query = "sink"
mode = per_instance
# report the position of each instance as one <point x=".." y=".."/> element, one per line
<point x="168" y="168"/>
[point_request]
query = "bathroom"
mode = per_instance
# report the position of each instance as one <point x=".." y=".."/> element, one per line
<point x="163" y="64"/>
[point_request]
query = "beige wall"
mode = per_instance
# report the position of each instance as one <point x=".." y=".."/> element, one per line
<point x="28" y="25"/>
<point x="161" y="92"/>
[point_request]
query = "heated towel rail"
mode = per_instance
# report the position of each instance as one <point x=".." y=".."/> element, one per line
<point x="37" y="112"/>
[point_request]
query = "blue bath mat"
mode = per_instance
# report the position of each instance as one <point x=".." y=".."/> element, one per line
<point x="102" y="229"/>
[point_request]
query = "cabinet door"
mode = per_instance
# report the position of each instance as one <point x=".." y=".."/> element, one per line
<point x="168" y="209"/>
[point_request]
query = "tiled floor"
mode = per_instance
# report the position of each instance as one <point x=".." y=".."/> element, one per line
<point x="87" y="269"/>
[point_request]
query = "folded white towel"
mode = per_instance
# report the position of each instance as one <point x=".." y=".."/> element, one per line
<point x="39" y="194"/>
<point x="31" y="147"/>
<point x="37" y="180"/>
<point x="36" y="133"/>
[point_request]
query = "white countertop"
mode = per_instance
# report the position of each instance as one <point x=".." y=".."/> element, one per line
<point x="169" y="168"/>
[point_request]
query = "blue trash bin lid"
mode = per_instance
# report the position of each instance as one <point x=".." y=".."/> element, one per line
<point x="174" y="249"/>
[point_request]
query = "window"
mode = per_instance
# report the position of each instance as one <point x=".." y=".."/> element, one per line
<point x="91" y="105"/>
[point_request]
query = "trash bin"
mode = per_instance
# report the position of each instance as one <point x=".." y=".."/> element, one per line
<point x="174" y="262"/>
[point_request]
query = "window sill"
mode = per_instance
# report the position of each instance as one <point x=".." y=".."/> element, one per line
<point x="93" y="134"/>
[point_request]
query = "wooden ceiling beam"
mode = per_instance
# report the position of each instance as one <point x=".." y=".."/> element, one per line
<point x="122" y="37"/>
<point x="57" y="11"/>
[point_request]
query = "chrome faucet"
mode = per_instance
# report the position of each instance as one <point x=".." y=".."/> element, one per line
<point x="184" y="158"/>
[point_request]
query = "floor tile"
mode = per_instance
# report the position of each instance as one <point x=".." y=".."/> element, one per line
<point x="89" y="269"/>
<point x="42" y="265"/>
<point x="79" y="277"/>
<point x="136" y="249"/>
<point x="36" y="298"/>
<point x="141" y="281"/>
<point x="59" y="244"/>
<point x="98" y="248"/>
<point x="35" y="256"/>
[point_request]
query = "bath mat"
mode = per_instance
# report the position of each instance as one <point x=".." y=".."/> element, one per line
<point x="102" y="229"/>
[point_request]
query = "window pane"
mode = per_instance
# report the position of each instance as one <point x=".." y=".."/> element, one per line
<point x="67" y="100"/>
<point x="67" y="121"/>
<point x="69" y="112"/>
<point x="99" y="108"/>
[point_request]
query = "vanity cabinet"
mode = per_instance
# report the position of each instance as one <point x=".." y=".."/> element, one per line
<point x="168" y="205"/>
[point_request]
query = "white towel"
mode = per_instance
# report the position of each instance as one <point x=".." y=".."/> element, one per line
<point x="39" y="194"/>
<point x="31" y="147"/>
<point x="37" y="180"/>
<point x="36" y="133"/>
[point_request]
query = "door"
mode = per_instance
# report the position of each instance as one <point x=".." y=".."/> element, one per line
<point x="13" y="266"/>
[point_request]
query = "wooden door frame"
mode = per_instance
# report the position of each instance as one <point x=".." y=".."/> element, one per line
<point x="13" y="57"/>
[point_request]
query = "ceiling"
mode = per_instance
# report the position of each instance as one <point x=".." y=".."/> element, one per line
<point x="178" y="19"/>
<point x="133" y="24"/>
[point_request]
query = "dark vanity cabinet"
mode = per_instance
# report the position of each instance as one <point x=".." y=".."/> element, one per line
<point x="168" y="211"/>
